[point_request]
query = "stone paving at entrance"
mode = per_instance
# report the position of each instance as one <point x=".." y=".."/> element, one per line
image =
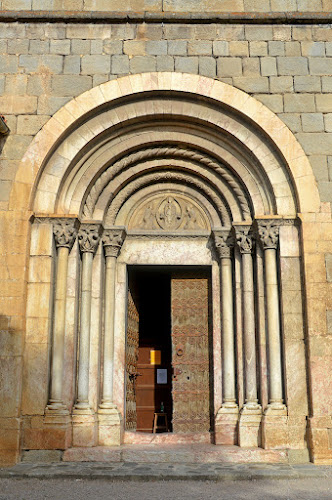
<point x="133" y="471"/>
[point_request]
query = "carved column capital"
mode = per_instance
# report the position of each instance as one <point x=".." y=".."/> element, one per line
<point x="224" y="242"/>
<point x="268" y="232"/>
<point x="244" y="239"/>
<point x="89" y="237"/>
<point x="65" y="231"/>
<point x="113" y="239"/>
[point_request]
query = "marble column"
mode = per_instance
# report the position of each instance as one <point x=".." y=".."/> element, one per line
<point x="227" y="417"/>
<point x="109" y="418"/>
<point x="84" y="420"/>
<point x="268" y="232"/>
<point x="56" y="413"/>
<point x="65" y="232"/>
<point x="251" y="412"/>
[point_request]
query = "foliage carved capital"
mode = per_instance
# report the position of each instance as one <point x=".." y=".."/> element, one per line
<point x="268" y="233"/>
<point x="113" y="239"/>
<point x="89" y="237"/>
<point x="244" y="239"/>
<point x="65" y="231"/>
<point x="224" y="242"/>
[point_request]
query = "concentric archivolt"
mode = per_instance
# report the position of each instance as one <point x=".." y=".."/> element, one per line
<point x="168" y="176"/>
<point x="85" y="148"/>
<point x="163" y="152"/>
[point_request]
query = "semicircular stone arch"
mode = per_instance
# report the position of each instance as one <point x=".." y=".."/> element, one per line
<point x="273" y="164"/>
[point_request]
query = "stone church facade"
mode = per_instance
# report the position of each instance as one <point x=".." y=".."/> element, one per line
<point x="172" y="158"/>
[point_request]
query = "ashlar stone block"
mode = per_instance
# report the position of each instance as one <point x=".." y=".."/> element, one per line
<point x="328" y="265"/>
<point x="120" y="65"/>
<point x="312" y="122"/>
<point x="268" y="66"/>
<point x="70" y="85"/>
<point x="178" y="48"/>
<point x="207" y="66"/>
<point x="231" y="66"/>
<point x="299" y="102"/>
<point x="281" y="84"/>
<point x="186" y="64"/>
<point x="257" y="49"/>
<point x="141" y="64"/>
<point x="92" y="64"/>
<point x="292" y="66"/>
<point x="307" y="84"/>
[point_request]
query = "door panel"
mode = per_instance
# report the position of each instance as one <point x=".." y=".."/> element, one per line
<point x="131" y="362"/>
<point x="145" y="392"/>
<point x="190" y="352"/>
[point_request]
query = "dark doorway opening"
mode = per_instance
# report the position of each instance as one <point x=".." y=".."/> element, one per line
<point x="152" y="290"/>
<point x="170" y="350"/>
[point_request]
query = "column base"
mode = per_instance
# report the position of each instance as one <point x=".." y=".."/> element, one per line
<point x="110" y="429"/>
<point x="226" y="424"/>
<point x="249" y="426"/>
<point x="275" y="427"/>
<point x="84" y="426"/>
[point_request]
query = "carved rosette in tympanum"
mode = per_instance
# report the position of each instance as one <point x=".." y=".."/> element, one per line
<point x="224" y="242"/>
<point x="89" y="237"/>
<point x="65" y="232"/>
<point x="244" y="239"/>
<point x="268" y="232"/>
<point x="112" y="241"/>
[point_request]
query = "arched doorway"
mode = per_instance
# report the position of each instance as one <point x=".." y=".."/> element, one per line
<point x="171" y="170"/>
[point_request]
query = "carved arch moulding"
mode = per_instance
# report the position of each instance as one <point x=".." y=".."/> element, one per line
<point x="234" y="135"/>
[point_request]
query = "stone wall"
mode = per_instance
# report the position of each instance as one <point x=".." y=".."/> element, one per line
<point x="44" y="65"/>
<point x="288" y="68"/>
<point x="171" y="5"/>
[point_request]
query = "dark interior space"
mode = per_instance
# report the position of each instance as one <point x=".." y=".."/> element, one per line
<point x="159" y="359"/>
<point x="152" y="290"/>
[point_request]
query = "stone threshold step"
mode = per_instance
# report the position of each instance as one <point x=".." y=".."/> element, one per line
<point x="167" y="438"/>
<point x="175" y="453"/>
<point x="156" y="472"/>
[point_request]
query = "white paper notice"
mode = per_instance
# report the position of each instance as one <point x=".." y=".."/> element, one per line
<point x="161" y="376"/>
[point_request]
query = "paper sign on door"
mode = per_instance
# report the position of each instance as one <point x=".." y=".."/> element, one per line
<point x="161" y="376"/>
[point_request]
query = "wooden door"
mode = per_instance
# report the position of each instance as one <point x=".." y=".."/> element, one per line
<point x="131" y="362"/>
<point x="190" y="352"/>
<point x="145" y="391"/>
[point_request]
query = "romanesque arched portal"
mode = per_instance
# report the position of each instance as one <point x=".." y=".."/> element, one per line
<point x="169" y="170"/>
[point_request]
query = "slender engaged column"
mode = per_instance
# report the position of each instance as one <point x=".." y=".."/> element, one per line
<point x="65" y="231"/>
<point x="268" y="231"/>
<point x="88" y="238"/>
<point x="245" y="244"/>
<point x="112" y="242"/>
<point x="224" y="244"/>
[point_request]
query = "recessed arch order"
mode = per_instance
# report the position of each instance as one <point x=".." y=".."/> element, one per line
<point x="101" y="142"/>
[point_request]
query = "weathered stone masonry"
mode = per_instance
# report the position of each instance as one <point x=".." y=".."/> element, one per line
<point x="44" y="65"/>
